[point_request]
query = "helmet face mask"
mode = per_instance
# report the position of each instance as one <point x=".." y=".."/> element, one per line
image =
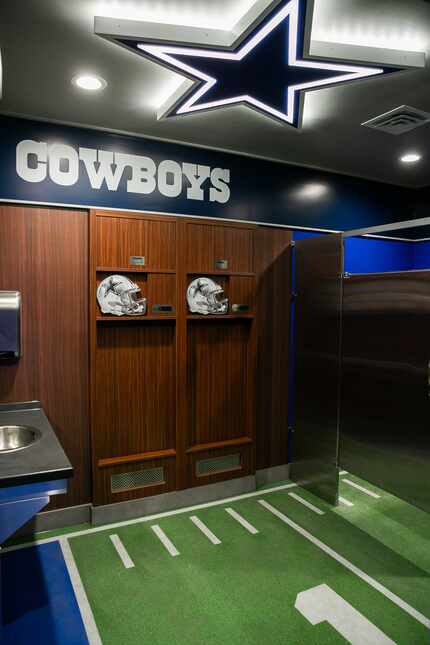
<point x="204" y="296"/>
<point x="117" y="295"/>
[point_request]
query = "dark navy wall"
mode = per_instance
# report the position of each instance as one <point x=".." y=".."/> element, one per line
<point x="260" y="191"/>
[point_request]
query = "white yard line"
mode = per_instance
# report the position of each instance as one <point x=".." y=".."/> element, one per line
<point x="345" y="502"/>
<point x="361" y="488"/>
<point x="149" y="518"/>
<point x="122" y="551"/>
<point x="348" y="565"/>
<point x="81" y="597"/>
<point x="246" y="525"/>
<point x="205" y="530"/>
<point x="305" y="502"/>
<point x="343" y="472"/>
<point x="168" y="544"/>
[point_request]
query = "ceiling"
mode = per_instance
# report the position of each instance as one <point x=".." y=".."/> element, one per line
<point x="44" y="44"/>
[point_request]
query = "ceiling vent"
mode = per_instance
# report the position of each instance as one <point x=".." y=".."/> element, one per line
<point x="400" y="120"/>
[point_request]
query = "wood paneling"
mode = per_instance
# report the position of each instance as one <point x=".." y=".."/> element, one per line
<point x="273" y="265"/>
<point x="241" y="291"/>
<point x="120" y="236"/>
<point x="208" y="242"/>
<point x="44" y="254"/>
<point x="236" y="245"/>
<point x="159" y="388"/>
<point x="133" y="373"/>
<point x="218" y="371"/>
<point x="183" y="389"/>
<point x="135" y="389"/>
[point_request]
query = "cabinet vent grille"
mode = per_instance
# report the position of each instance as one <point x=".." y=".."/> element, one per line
<point x="216" y="465"/>
<point x="137" y="479"/>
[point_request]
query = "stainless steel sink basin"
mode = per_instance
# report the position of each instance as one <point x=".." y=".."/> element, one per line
<point x="14" y="438"/>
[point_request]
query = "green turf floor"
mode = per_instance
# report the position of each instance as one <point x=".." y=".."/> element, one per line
<point x="243" y="591"/>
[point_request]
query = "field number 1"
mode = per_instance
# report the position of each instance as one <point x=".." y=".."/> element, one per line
<point x="321" y="604"/>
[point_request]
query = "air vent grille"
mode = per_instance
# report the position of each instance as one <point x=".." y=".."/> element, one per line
<point x="137" y="479"/>
<point x="218" y="465"/>
<point x="400" y="120"/>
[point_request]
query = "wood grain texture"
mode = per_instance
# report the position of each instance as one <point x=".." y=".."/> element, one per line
<point x="207" y="243"/>
<point x="140" y="457"/>
<point x="273" y="266"/>
<point x="120" y="236"/>
<point x="218" y="373"/>
<point x="193" y="378"/>
<point x="135" y="388"/>
<point x="44" y="254"/>
<point x="204" y="447"/>
<point x="133" y="365"/>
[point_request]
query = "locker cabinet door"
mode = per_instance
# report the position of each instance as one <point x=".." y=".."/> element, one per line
<point x="212" y="248"/>
<point x="122" y="242"/>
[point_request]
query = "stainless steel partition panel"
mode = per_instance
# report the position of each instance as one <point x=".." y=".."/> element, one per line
<point x="385" y="404"/>
<point x="319" y="266"/>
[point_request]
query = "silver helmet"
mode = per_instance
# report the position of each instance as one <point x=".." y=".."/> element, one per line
<point x="204" y="296"/>
<point x="116" y="295"/>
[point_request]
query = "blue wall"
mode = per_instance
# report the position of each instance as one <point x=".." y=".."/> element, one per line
<point x="421" y="255"/>
<point x="372" y="255"/>
<point x="369" y="255"/>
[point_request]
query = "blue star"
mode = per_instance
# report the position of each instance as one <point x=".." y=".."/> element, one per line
<point x="266" y="71"/>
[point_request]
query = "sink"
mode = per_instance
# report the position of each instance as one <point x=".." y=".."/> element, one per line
<point x="13" y="438"/>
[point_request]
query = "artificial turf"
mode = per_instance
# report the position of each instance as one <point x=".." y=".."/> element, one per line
<point x="244" y="590"/>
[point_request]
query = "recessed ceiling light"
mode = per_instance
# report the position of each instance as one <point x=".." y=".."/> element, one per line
<point x="410" y="157"/>
<point x="89" y="82"/>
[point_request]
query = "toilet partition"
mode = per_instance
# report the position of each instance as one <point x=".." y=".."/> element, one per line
<point x="318" y="287"/>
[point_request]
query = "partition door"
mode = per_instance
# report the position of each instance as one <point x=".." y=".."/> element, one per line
<point x="318" y="277"/>
<point x="385" y="404"/>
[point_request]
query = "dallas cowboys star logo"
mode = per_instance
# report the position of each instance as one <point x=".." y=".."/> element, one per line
<point x="267" y="70"/>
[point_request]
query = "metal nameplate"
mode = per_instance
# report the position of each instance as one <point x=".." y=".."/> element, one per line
<point x="238" y="308"/>
<point x="163" y="309"/>
<point x="137" y="260"/>
<point x="221" y="265"/>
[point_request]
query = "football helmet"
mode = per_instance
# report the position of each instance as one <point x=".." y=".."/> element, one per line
<point x="116" y="295"/>
<point x="204" y="296"/>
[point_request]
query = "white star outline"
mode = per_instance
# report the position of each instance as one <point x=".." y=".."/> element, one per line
<point x="166" y="53"/>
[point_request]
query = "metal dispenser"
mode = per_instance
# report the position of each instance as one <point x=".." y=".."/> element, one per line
<point x="10" y="325"/>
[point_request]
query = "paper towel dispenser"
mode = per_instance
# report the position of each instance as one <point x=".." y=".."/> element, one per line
<point x="10" y="325"/>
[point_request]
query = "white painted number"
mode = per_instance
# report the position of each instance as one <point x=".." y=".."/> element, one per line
<point x="321" y="604"/>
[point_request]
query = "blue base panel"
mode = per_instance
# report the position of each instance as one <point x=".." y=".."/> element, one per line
<point x="38" y="602"/>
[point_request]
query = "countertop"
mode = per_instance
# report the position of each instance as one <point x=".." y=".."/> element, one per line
<point x="45" y="460"/>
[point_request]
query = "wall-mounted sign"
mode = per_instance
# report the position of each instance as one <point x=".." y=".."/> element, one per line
<point x="267" y="68"/>
<point x="45" y="163"/>
<point x="38" y="162"/>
